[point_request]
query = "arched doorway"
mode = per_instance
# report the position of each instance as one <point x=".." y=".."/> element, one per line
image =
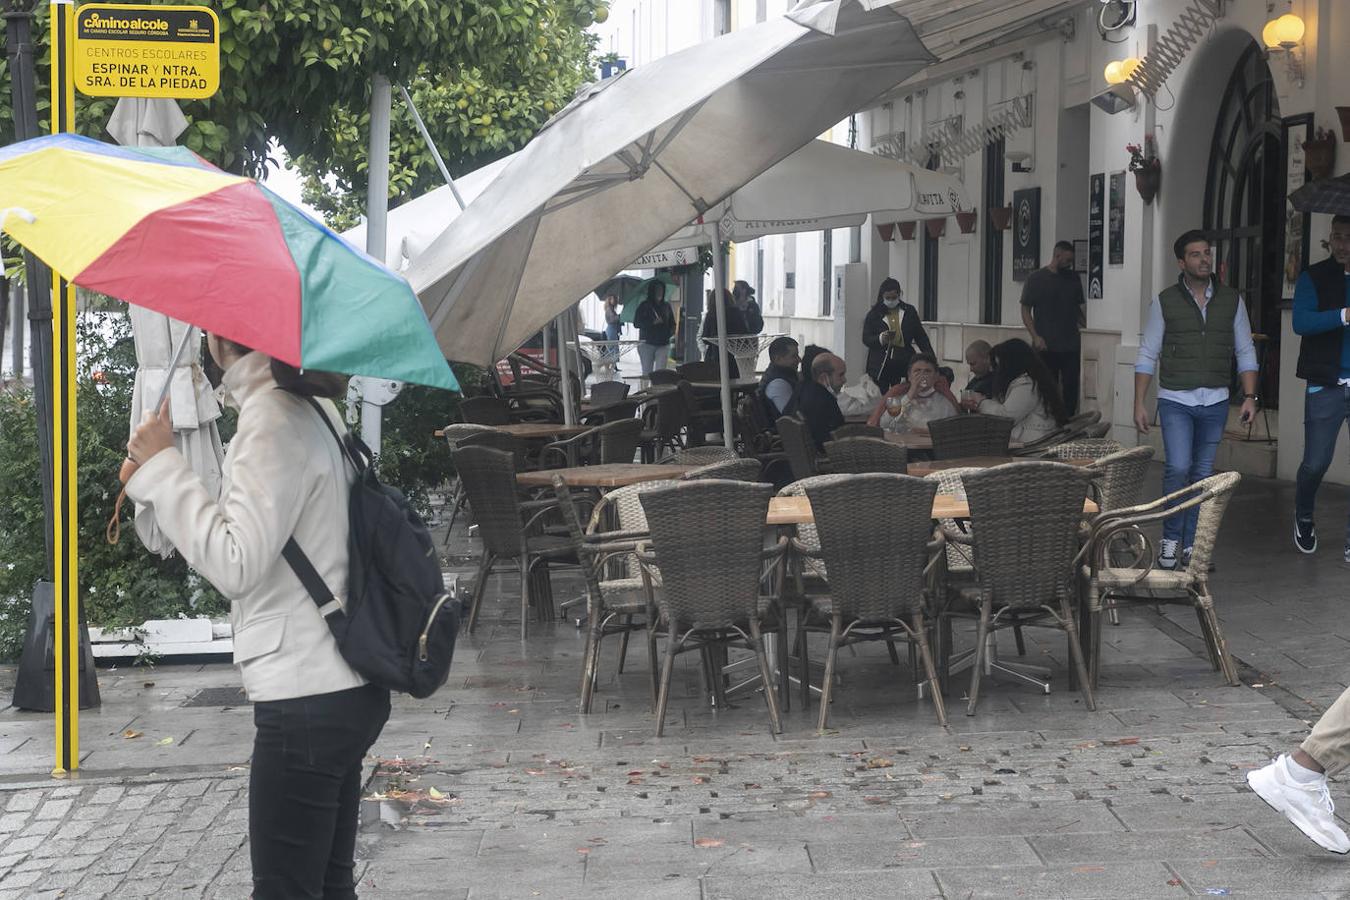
<point x="1244" y="203"/>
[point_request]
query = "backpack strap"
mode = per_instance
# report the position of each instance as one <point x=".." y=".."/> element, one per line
<point x="345" y="444"/>
<point x="304" y="570"/>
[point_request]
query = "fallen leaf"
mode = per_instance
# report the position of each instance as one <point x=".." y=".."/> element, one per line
<point x="583" y="850"/>
<point x="964" y="748"/>
<point x="164" y="742"/>
<point x="535" y="772"/>
<point x="1089" y="870"/>
<point x="1174" y="882"/>
<point x="819" y="795"/>
<point x="880" y="762"/>
<point x="1121" y="742"/>
<point x="709" y="842"/>
<point x="700" y="779"/>
<point x="751" y="786"/>
<point x="876" y="801"/>
<point x="435" y="794"/>
<point x="129" y="734"/>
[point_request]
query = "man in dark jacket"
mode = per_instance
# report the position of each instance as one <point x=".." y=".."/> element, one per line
<point x="1321" y="314"/>
<point x="979" y="356"/>
<point x="1054" y="313"/>
<point x="779" y="382"/>
<point x="816" y="401"/>
<point x="892" y="332"/>
<point x="655" y="321"/>
<point x="743" y="317"/>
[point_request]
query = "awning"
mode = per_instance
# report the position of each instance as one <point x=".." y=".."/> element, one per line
<point x="952" y="28"/>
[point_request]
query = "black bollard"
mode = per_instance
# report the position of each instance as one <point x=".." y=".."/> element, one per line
<point x="35" y="688"/>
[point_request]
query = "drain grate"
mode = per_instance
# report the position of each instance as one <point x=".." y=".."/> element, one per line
<point x="217" y="696"/>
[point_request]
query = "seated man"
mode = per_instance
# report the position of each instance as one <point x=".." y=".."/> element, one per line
<point x="981" y="368"/>
<point x="779" y="381"/>
<point x="816" y="401"/>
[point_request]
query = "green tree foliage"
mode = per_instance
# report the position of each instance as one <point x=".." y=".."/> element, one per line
<point x="486" y="74"/>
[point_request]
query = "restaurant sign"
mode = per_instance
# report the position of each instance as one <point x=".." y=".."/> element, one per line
<point x="147" y="51"/>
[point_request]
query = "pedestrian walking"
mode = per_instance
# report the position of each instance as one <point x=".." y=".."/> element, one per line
<point x="1054" y="311"/>
<point x="655" y="321"/>
<point x="1321" y="317"/>
<point x="1195" y="328"/>
<point x="315" y="717"/>
<point x="892" y="332"/>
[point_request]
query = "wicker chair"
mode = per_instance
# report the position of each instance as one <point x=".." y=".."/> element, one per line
<point x="605" y="392"/>
<point x="862" y="455"/>
<point x="1097" y="430"/>
<point x="662" y="422"/>
<point x="611" y="604"/>
<point x="1112" y="587"/>
<point x="728" y="470"/>
<point x="663" y="376"/>
<point x="1120" y="477"/>
<point x="507" y="526"/>
<point x="699" y="456"/>
<point x="453" y="435"/>
<point x="616" y="442"/>
<point x="708" y="540"/>
<point x="878" y="577"/>
<point x="1084" y="448"/>
<point x="970" y="435"/>
<point x="485" y="411"/>
<point x="1027" y="519"/>
<point x="704" y="415"/>
<point x="858" y="430"/>
<point x="799" y="447"/>
<point x="498" y="440"/>
<point x="700" y="370"/>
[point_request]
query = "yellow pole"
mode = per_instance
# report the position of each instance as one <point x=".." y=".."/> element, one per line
<point x="66" y="643"/>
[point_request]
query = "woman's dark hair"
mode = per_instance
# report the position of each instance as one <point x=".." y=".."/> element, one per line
<point x="890" y="284"/>
<point x="1015" y="358"/>
<point x="923" y="358"/>
<point x="809" y="356"/>
<point x="306" y="383"/>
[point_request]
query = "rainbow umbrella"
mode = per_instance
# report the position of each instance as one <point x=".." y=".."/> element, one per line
<point x="163" y="229"/>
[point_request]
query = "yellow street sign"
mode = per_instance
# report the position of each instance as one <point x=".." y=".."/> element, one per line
<point x="147" y="51"/>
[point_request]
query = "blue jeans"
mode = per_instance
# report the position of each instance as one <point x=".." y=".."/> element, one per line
<point x="1191" y="436"/>
<point x="652" y="356"/>
<point x="1323" y="412"/>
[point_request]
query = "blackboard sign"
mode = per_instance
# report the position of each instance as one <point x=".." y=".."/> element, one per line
<point x="1116" y="222"/>
<point x="1026" y="232"/>
<point x="1096" y="234"/>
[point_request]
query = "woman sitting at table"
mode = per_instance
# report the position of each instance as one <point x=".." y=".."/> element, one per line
<point x="1023" y="390"/>
<point x="910" y="405"/>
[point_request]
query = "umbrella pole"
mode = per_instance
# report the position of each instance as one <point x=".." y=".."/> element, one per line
<point x="720" y="301"/>
<point x="178" y="352"/>
<point x="377" y="218"/>
<point x="565" y="367"/>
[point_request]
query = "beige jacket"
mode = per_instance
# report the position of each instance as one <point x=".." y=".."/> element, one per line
<point x="1031" y="420"/>
<point x="281" y="478"/>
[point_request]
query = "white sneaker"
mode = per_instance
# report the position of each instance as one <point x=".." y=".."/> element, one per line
<point x="1308" y="806"/>
<point x="1167" y="559"/>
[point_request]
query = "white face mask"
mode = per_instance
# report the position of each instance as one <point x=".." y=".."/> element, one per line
<point x="891" y="304"/>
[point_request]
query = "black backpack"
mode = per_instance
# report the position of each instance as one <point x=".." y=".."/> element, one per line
<point x="399" y="625"/>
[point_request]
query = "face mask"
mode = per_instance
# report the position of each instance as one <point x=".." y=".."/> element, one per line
<point x="891" y="304"/>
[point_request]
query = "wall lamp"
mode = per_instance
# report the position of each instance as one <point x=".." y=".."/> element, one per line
<point x="1285" y="35"/>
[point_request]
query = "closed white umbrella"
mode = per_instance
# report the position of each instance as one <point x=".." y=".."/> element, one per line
<point x="159" y="340"/>
<point x="639" y="155"/>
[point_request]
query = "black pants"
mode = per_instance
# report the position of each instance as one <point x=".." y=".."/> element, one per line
<point x="305" y="791"/>
<point x="1064" y="365"/>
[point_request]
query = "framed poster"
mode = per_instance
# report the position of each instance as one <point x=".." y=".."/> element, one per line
<point x="1294" y="260"/>
<point x="1026" y="232"/>
<point x="1115" y="222"/>
<point x="1096" y="234"/>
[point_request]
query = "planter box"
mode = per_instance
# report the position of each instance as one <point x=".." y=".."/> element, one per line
<point x="163" y="637"/>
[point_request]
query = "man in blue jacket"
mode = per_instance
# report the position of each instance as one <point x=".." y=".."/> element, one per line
<point x="1321" y="314"/>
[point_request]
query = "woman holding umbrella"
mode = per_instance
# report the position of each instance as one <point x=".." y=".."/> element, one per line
<point x="892" y="332"/>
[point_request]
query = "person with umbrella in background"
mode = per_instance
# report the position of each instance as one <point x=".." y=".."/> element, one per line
<point x="655" y="321"/>
<point x="892" y="332"/>
<point x="743" y="317"/>
<point x="1321" y="318"/>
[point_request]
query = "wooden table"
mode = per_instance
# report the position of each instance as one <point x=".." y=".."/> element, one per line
<point x="797" y="510"/>
<point x="929" y="466"/>
<point x="610" y="475"/>
<point x="913" y="441"/>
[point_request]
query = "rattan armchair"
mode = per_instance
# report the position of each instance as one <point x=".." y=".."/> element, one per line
<point x="1084" y="448"/>
<point x="1026" y="520"/>
<point x="799" y="447"/>
<point x="616" y="442"/>
<point x="508" y="528"/>
<point x="1112" y="586"/>
<point x="699" y="456"/>
<point x="663" y="420"/>
<point x="728" y="469"/>
<point x="605" y="392"/>
<point x="453" y="435"/>
<point x="970" y="435"/>
<point x="863" y="455"/>
<point x="879" y="578"/>
<point x="708" y="541"/>
<point x="856" y="429"/>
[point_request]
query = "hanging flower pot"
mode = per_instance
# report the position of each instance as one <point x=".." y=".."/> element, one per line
<point x="966" y="221"/>
<point x="1344" y="113"/>
<point x="1147" y="181"/>
<point x="936" y="227"/>
<point x="906" y="229"/>
<point x="886" y="232"/>
<point x="1320" y="154"/>
<point x="1000" y="217"/>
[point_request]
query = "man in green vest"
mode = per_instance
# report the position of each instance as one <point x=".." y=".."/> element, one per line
<point x="1194" y="329"/>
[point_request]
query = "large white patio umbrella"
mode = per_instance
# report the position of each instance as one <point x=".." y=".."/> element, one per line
<point x="636" y="157"/>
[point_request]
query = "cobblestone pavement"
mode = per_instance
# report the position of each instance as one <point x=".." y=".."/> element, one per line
<point x="498" y="787"/>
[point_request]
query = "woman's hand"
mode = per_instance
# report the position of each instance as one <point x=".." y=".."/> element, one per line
<point x="155" y="433"/>
<point x="971" y="400"/>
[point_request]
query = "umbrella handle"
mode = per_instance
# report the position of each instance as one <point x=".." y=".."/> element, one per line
<point x="113" y="533"/>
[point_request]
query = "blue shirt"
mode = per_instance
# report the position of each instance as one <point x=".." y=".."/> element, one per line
<point x="1150" y="345"/>
<point x="1308" y="319"/>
